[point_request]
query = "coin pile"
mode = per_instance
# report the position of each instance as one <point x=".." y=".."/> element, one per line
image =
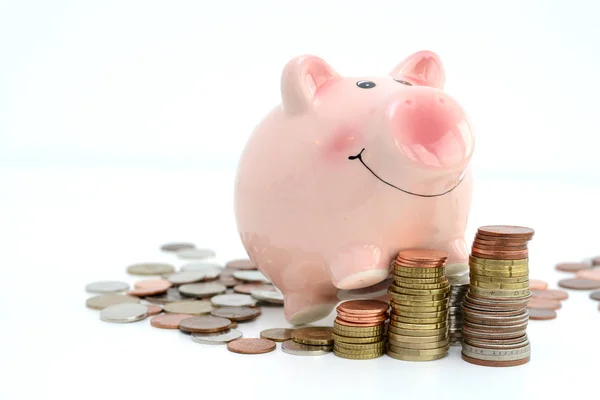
<point x="495" y="314"/>
<point x="459" y="285"/>
<point x="310" y="341"/>
<point x="418" y="328"/>
<point x="359" y="329"/>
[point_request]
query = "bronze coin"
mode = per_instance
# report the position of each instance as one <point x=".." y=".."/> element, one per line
<point x="246" y="288"/>
<point x="251" y="346"/>
<point x="552" y="294"/>
<point x="150" y="283"/>
<point x="365" y="308"/>
<point x="571" y="266"/>
<point x="493" y="255"/>
<point x="541" y="313"/>
<point x="153" y="309"/>
<point x="236" y="313"/>
<point x="204" y="324"/>
<point x="489" y="363"/>
<point x="314" y="335"/>
<point x="593" y="274"/>
<point x="170" y="296"/>
<point x="149" y="291"/>
<point x="348" y="323"/>
<point x="536" y="302"/>
<point x="277" y="334"/>
<point x="510" y="231"/>
<point x="477" y="245"/>
<point x="418" y="264"/>
<point x="489" y="241"/>
<point x="362" y="320"/>
<point x="595" y="295"/>
<point x="536" y="284"/>
<point x="579" y="284"/>
<point x="244" y="264"/>
<point x="228" y="280"/>
<point x="423" y="255"/>
<point x="168" y="321"/>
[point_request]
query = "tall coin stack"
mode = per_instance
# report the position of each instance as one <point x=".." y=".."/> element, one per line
<point x="359" y="329"/>
<point x="495" y="311"/>
<point x="459" y="285"/>
<point x="418" y="328"/>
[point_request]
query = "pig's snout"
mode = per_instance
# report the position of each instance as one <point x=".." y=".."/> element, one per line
<point x="430" y="127"/>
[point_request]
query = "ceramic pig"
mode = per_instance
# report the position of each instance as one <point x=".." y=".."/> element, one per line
<point x="346" y="172"/>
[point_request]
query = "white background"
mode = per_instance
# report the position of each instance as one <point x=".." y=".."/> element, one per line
<point x="121" y="123"/>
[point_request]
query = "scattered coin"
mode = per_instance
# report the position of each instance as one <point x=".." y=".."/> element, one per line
<point x="251" y="276"/>
<point x="536" y="302"/>
<point x="244" y="264"/>
<point x="216" y="338"/>
<point x="536" y="284"/>
<point x="105" y="300"/>
<point x="176" y="246"/>
<point x="251" y="346"/>
<point x="211" y="270"/>
<point x="269" y="296"/>
<point x="541" y="313"/>
<point x="238" y="314"/>
<point x="593" y="274"/>
<point x="183" y="277"/>
<point x="193" y="307"/>
<point x="595" y="295"/>
<point x="195" y="254"/>
<point x="277" y="334"/>
<point x="299" y="349"/>
<point x="168" y="321"/>
<point x="204" y="289"/>
<point x="204" y="324"/>
<point x="229" y="281"/>
<point x="150" y="269"/>
<point x="124" y="312"/>
<point x="149" y="283"/>
<point x="150" y="290"/>
<point x="232" y="300"/>
<point x="170" y="296"/>
<point x="107" y="287"/>
<point x="552" y="294"/>
<point x="314" y="335"/>
<point x="153" y="309"/>
<point x="572" y="266"/>
<point x="579" y="284"/>
<point x="246" y="288"/>
<point x="596" y="260"/>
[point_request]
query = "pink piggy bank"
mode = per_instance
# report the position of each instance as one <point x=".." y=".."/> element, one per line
<point x="348" y="171"/>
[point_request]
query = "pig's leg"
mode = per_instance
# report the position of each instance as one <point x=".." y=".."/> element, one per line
<point x="358" y="266"/>
<point x="308" y="306"/>
<point x="458" y="255"/>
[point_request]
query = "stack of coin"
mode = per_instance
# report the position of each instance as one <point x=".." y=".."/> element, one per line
<point x="309" y="341"/>
<point x="495" y="314"/>
<point x="459" y="285"/>
<point x="359" y="329"/>
<point x="418" y="328"/>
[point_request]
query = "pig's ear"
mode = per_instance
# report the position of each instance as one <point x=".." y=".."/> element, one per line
<point x="301" y="80"/>
<point x="424" y="68"/>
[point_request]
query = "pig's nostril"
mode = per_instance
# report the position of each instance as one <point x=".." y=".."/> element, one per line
<point x="409" y="102"/>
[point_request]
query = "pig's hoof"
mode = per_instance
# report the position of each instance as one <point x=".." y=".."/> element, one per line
<point x="310" y="314"/>
<point x="362" y="279"/>
<point x="300" y="309"/>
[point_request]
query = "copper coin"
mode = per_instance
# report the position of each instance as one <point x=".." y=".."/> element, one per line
<point x="150" y="268"/>
<point x="361" y="320"/>
<point x="401" y="262"/>
<point x="236" y="313"/>
<point x="168" y="321"/>
<point x="535" y="302"/>
<point x="170" y="296"/>
<point x="423" y="255"/>
<point x="536" y="284"/>
<point x="204" y="324"/>
<point x="595" y="295"/>
<point x="506" y="231"/>
<point x="229" y="281"/>
<point x="593" y="274"/>
<point x="153" y="309"/>
<point x="541" y="313"/>
<point x="149" y="291"/>
<point x="572" y="266"/>
<point x="491" y="241"/>
<point x="244" y="264"/>
<point x="363" y="307"/>
<point x="489" y="363"/>
<point x="348" y="323"/>
<point x="498" y="247"/>
<point x="105" y="300"/>
<point x="596" y="260"/>
<point x="246" y="288"/>
<point x="176" y="246"/>
<point x="251" y="346"/>
<point x="579" y="284"/>
<point x="150" y="283"/>
<point x="500" y="254"/>
<point x="277" y="334"/>
<point x="552" y="294"/>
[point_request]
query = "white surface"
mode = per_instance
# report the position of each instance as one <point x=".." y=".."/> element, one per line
<point x="63" y="229"/>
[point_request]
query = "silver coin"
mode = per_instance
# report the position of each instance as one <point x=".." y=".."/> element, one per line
<point x="176" y="246"/>
<point x="233" y="300"/>
<point x="172" y="295"/>
<point x="298" y="349"/>
<point x="102" y="301"/>
<point x="150" y="268"/>
<point x="216" y="338"/>
<point x="496" y="355"/>
<point x="180" y="278"/>
<point x="251" y="276"/>
<point x="107" y="287"/>
<point x="124" y="312"/>
<point x="202" y="289"/>
<point x="270" y="296"/>
<point x="195" y="254"/>
<point x="212" y="269"/>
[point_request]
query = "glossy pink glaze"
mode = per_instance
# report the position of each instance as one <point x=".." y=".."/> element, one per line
<point x="315" y="217"/>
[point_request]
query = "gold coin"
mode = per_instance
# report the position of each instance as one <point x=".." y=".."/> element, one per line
<point x="499" y="267"/>
<point x="416" y="339"/>
<point x="352" y="331"/>
<point x="192" y="307"/>
<point x="150" y="268"/>
<point x="314" y="335"/>
<point x="501" y="274"/>
<point x="349" y="339"/>
<point x="420" y="292"/>
<point x="419" y="346"/>
<point x="400" y="309"/>
<point x="419" y="352"/>
<point x="417" y="332"/>
<point x="488" y="285"/>
<point x="409" y="320"/>
<point x="502" y="263"/>
<point x="420" y="273"/>
<point x="428" y="281"/>
<point x="380" y="349"/>
<point x="421" y="286"/>
<point x="405" y="357"/>
<point x="411" y="314"/>
<point x="498" y="279"/>
<point x="417" y="303"/>
<point x="500" y="292"/>
<point x="360" y="346"/>
<point x="105" y="300"/>
<point x="357" y="356"/>
<point x="411" y="297"/>
<point x="403" y="325"/>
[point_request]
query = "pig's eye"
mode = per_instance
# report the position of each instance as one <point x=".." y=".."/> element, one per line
<point x="365" y="84"/>
<point x="403" y="82"/>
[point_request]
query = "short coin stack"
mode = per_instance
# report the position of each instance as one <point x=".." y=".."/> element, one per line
<point x="310" y="341"/>
<point x="359" y="329"/>
<point x="495" y="307"/>
<point x="459" y="285"/>
<point x="418" y="328"/>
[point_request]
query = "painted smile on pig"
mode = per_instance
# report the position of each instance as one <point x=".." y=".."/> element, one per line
<point x="359" y="157"/>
